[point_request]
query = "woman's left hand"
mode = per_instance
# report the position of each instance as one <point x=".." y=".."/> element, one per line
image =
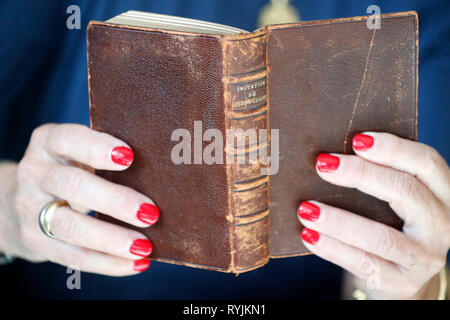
<point x="415" y="180"/>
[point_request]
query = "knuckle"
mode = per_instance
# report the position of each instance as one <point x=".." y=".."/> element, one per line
<point x="64" y="226"/>
<point x="384" y="240"/>
<point x="413" y="259"/>
<point x="119" y="198"/>
<point x="65" y="180"/>
<point x="358" y="168"/>
<point x="363" y="264"/>
<point x="406" y="186"/>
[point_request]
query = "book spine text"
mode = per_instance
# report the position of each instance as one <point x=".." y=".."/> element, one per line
<point x="246" y="121"/>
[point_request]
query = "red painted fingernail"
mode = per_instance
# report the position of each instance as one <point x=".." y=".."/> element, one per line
<point x="141" y="265"/>
<point x="122" y="155"/>
<point x="148" y="213"/>
<point x="326" y="162"/>
<point x="310" y="236"/>
<point x="308" y="211"/>
<point x="141" y="247"/>
<point x="362" y="142"/>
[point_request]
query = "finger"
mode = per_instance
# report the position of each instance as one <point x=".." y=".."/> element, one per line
<point x="365" y="234"/>
<point x="410" y="199"/>
<point x="413" y="157"/>
<point x="377" y="273"/>
<point x="88" y="190"/>
<point x="88" y="232"/>
<point x="84" y="145"/>
<point x="92" y="261"/>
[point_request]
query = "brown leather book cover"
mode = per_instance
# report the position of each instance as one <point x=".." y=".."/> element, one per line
<point x="316" y="82"/>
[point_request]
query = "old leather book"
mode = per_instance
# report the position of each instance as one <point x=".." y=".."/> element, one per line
<point x="317" y="82"/>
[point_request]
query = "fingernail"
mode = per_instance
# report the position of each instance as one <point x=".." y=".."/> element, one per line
<point x="148" y="213"/>
<point x="326" y="162"/>
<point x="308" y="211"/>
<point x="141" y="265"/>
<point x="141" y="247"/>
<point x="310" y="236"/>
<point x="362" y="142"/>
<point x="122" y="155"/>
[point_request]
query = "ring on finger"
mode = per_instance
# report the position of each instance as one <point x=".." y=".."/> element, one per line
<point x="46" y="214"/>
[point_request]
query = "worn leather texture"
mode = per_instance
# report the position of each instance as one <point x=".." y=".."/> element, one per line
<point x="329" y="80"/>
<point x="317" y="82"/>
<point x="144" y="84"/>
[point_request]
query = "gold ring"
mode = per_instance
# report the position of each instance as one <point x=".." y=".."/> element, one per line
<point x="46" y="214"/>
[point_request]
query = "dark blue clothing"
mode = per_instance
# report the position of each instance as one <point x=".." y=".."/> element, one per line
<point x="43" y="78"/>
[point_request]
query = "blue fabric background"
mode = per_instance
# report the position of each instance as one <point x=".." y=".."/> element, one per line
<point x="43" y="78"/>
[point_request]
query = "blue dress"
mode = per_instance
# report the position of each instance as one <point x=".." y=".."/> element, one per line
<point x="43" y="78"/>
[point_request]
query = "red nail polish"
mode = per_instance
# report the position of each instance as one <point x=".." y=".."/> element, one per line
<point x="308" y="211"/>
<point x="122" y="155"/>
<point x="141" y="265"/>
<point x="362" y="142"/>
<point x="326" y="162"/>
<point x="141" y="247"/>
<point x="310" y="236"/>
<point x="148" y="213"/>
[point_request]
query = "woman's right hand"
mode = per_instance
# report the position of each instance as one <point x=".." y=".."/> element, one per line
<point x="59" y="163"/>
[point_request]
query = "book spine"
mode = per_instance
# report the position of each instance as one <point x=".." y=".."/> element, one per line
<point x="246" y="113"/>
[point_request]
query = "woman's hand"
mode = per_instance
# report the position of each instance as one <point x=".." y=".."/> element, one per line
<point x="415" y="180"/>
<point x="59" y="164"/>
